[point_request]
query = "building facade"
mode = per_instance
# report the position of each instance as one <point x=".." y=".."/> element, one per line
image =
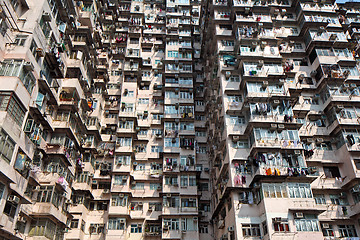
<point x="179" y="119"/>
<point x="282" y="92"/>
<point x="103" y="121"/>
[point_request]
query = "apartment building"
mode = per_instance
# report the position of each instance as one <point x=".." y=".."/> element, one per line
<point x="179" y="119"/>
<point x="103" y="130"/>
<point x="282" y="103"/>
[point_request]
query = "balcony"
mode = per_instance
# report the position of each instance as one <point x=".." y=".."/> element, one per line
<point x="313" y="7"/>
<point x="274" y="143"/>
<point x="172" y="234"/>
<point x="48" y="209"/>
<point x="223" y="31"/>
<point x="119" y="210"/>
<point x="335" y="212"/>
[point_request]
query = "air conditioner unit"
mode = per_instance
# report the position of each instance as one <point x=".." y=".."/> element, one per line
<point x="325" y="225"/>
<point x="265" y="84"/>
<point x="281" y="126"/>
<point x="230" y="229"/>
<point x="297" y="152"/>
<point x="13" y="198"/>
<point x="276" y="219"/>
<point x="276" y="102"/>
<point x="140" y="203"/>
<point x="168" y="195"/>
<point x="345" y="86"/>
<point x="106" y="190"/>
<point x="310" y="140"/>
<point x="91" y="175"/>
<point x="122" y="221"/>
<point x="319" y="140"/>
<point x="273" y="126"/>
<point x="299" y="215"/>
<point x="121" y="195"/>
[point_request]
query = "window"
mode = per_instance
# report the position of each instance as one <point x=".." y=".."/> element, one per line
<point x="49" y="194"/>
<point x="124" y="141"/>
<point x="299" y="190"/>
<point x="347" y="231"/>
<point x="20" y="40"/>
<point x="189" y="224"/>
<point x="298" y="46"/>
<point x="184" y="181"/>
<point x="319" y="198"/>
<point x="173" y="54"/>
<point x="154" y="186"/>
<point x="136" y="228"/>
<point x="204" y="229"/>
<point x="339" y="199"/>
<point x="96" y="228"/>
<point x="281" y="225"/>
<point x="188" y="202"/>
<point x="251" y="230"/>
<point x="7" y="146"/>
<point x="123" y="160"/>
<point x="10" y="208"/>
<point x="2" y="190"/>
<point x="172" y="224"/>
<point x="42" y="227"/>
<point x="241" y="144"/>
<point x="275" y="191"/>
<point x="120" y="180"/>
<point x="156" y="149"/>
<point x="172" y="142"/>
<point x="138" y="186"/>
<point x="332" y="172"/>
<point x="45" y="27"/>
<point x="309" y="223"/>
<point x="328" y="231"/>
<point x="143" y="101"/>
<point x="82" y="227"/>
<point x="74" y="223"/>
<point x="119" y="201"/>
<point x="83" y="177"/>
<point x="10" y="103"/>
<point x="171" y="180"/>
